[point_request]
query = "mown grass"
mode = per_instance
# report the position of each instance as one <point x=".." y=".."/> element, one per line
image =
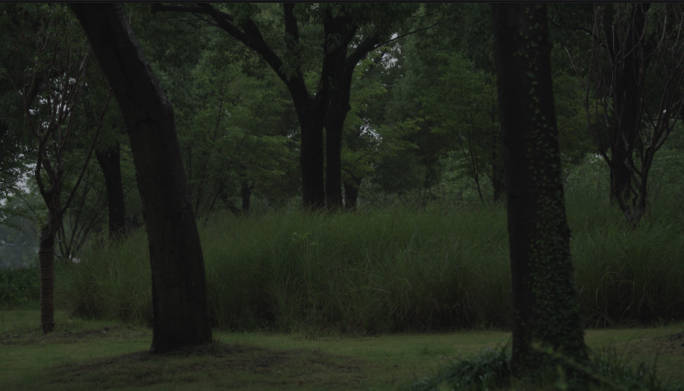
<point x="96" y="354"/>
<point x="395" y="269"/>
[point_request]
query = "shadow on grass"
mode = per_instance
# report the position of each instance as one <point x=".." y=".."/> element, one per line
<point x="211" y="366"/>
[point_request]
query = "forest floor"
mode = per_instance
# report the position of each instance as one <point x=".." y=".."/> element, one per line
<point x="92" y="355"/>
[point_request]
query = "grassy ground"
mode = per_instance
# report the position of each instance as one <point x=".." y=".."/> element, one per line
<point x="89" y="355"/>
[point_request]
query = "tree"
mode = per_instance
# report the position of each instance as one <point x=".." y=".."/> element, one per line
<point x="179" y="293"/>
<point x="359" y="28"/>
<point x="233" y="140"/>
<point x="463" y="106"/>
<point x="636" y="71"/>
<point x="55" y="74"/>
<point x="544" y="295"/>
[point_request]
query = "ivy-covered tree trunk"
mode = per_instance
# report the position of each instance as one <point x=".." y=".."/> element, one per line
<point x="544" y="294"/>
<point x="179" y="293"/>
<point x="110" y="164"/>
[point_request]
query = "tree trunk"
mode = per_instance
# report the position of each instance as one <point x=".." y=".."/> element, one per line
<point x="544" y="294"/>
<point x="246" y="191"/>
<point x="110" y="164"/>
<point x="627" y="100"/>
<point x="179" y="293"/>
<point x="46" y="259"/>
<point x="334" y="126"/>
<point x="351" y="192"/>
<point x="311" y="114"/>
<point x="497" y="167"/>
<point x="3" y="128"/>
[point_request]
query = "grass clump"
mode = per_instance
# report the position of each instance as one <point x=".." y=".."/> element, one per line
<point x="490" y="370"/>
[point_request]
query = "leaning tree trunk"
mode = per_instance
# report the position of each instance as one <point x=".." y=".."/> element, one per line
<point x="179" y="293"/>
<point x="110" y="164"/>
<point x="544" y="296"/>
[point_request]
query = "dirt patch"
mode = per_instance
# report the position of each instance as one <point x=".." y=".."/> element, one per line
<point x="674" y="344"/>
<point x="214" y="362"/>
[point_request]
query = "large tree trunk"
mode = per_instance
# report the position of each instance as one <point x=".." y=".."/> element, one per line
<point x="544" y="294"/>
<point x="311" y="114"/>
<point x="110" y="164"/>
<point x="334" y="125"/>
<point x="179" y="293"/>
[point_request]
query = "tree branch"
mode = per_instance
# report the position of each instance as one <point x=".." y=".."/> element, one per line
<point x="409" y="33"/>
<point x="90" y="152"/>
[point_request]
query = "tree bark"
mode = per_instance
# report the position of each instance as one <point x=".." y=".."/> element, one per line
<point x="179" y="294"/>
<point x="351" y="192"/>
<point x="333" y="152"/>
<point x="628" y="108"/>
<point x="246" y="192"/>
<point x="110" y="164"/>
<point x="311" y="115"/>
<point x="544" y="294"/>
<point x="312" y="110"/>
<point x="497" y="167"/>
<point x="46" y="260"/>
<point x="3" y="128"/>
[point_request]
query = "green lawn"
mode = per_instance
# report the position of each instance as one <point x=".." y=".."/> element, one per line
<point x="89" y="355"/>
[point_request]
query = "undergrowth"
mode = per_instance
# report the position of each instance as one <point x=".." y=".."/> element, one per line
<point x="490" y="370"/>
<point x="19" y="288"/>
<point x="443" y="267"/>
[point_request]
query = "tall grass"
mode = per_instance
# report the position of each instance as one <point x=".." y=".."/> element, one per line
<point x="395" y="269"/>
<point x="605" y="370"/>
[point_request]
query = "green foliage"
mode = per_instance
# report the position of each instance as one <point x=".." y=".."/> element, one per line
<point x="440" y="268"/>
<point x="464" y="111"/>
<point x="19" y="287"/>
